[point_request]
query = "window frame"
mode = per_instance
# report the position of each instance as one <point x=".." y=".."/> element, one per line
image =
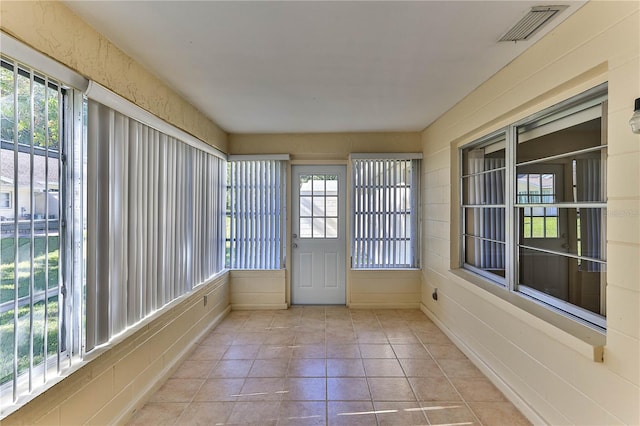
<point x="9" y="200"/>
<point x="511" y="283"/>
<point x="280" y="227"/>
<point x="68" y="291"/>
<point x="414" y="213"/>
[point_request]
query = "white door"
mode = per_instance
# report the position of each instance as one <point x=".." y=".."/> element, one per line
<point x="318" y="237"/>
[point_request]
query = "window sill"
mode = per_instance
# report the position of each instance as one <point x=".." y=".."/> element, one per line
<point x="582" y="338"/>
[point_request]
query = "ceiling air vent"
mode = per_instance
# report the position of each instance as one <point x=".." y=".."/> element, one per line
<point x="534" y="20"/>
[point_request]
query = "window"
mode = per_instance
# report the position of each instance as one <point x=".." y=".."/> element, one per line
<point x="5" y="200"/>
<point x="385" y="204"/>
<point x="76" y="270"/>
<point x="255" y="212"/>
<point x="538" y="222"/>
<point x="545" y="237"/>
<point x="318" y="206"/>
<point x="37" y="334"/>
<point x="155" y="220"/>
<point x="483" y="207"/>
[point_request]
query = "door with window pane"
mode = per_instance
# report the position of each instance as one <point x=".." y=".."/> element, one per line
<point x="318" y="235"/>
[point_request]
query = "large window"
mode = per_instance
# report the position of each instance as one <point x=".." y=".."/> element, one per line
<point x="156" y="220"/>
<point x="255" y="212"/>
<point x="385" y="227"/>
<point x="78" y="270"/>
<point x="534" y="205"/>
<point x="37" y="248"/>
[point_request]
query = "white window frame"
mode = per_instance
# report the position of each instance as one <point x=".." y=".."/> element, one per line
<point x="69" y="216"/>
<point x="581" y="106"/>
<point x="8" y="198"/>
<point x="264" y="199"/>
<point x="360" y="199"/>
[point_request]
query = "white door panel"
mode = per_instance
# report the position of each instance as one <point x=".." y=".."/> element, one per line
<point x="318" y="235"/>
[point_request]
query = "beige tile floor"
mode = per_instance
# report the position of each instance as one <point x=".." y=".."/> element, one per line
<point x="327" y="365"/>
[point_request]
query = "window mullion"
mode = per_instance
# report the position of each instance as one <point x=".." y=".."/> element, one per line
<point x="511" y="217"/>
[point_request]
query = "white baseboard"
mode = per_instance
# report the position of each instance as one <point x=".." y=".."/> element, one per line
<point x="384" y="305"/>
<point x="258" y="307"/>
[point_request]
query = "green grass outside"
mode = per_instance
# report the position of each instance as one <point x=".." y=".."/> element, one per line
<point x="534" y="227"/>
<point x="6" y="337"/>
<point x="7" y="265"/>
<point x="7" y="293"/>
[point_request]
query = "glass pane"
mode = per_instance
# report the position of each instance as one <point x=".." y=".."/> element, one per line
<point x="485" y="222"/>
<point x="40" y="137"/>
<point x="486" y="188"/>
<point x="318" y="228"/>
<point x="571" y="280"/>
<point x="305" y="206"/>
<point x="305" y="227"/>
<point x="332" y="227"/>
<point x="486" y="255"/>
<point x="24" y="110"/>
<point x="318" y="206"/>
<point x="53" y="120"/>
<point x="537" y="226"/>
<point x="6" y="104"/>
<point x="537" y="211"/>
<point x="548" y="186"/>
<point x="318" y="184"/>
<point x="522" y="188"/>
<point x="332" y="206"/>
<point x="488" y="157"/>
<point x="576" y="231"/>
<point x="332" y="185"/>
<point x="52" y="325"/>
<point x="305" y="184"/>
<point x="581" y="136"/>
<point x="579" y="178"/>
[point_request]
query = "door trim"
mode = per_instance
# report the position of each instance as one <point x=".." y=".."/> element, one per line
<point x="341" y="168"/>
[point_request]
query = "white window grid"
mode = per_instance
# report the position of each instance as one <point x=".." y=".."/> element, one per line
<point x="592" y="97"/>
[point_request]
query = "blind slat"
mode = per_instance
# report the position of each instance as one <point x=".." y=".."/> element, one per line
<point x="255" y="198"/>
<point x="385" y="213"/>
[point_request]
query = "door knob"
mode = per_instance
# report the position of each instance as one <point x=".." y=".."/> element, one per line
<point x="295" y="235"/>
<point x="294" y="245"/>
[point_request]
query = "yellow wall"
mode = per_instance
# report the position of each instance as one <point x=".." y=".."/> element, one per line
<point x="545" y="370"/>
<point x="323" y="146"/>
<point x="253" y="289"/>
<point x="53" y="29"/>
<point x="365" y="289"/>
<point x="397" y="289"/>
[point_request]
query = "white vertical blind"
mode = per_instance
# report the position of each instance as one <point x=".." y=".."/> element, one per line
<point x="155" y="221"/>
<point x="589" y="187"/>
<point x="385" y="201"/>
<point x="255" y="213"/>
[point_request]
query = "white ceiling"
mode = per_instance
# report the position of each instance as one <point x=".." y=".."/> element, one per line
<point x="264" y="67"/>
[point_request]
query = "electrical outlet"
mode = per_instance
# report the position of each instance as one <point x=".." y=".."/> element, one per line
<point x="205" y="300"/>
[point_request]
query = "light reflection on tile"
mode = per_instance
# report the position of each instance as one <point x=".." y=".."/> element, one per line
<point x="327" y="366"/>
